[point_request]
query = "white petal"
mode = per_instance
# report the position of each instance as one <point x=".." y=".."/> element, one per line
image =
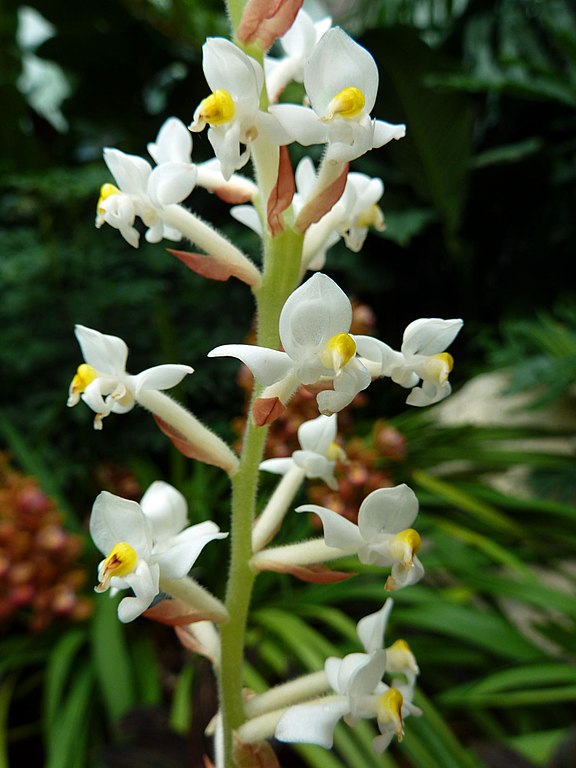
<point x="160" y="377"/>
<point x="225" y="140"/>
<point x="387" y="511"/>
<point x="383" y="357"/>
<point x="130" y="171"/>
<point x="115" y="519"/>
<point x="144" y="582"/>
<point x="312" y="723"/>
<point x="385" y="132"/>
<point x="428" y="393"/>
<point x="227" y="67"/>
<point x="267" y="365"/>
<point x="363" y="676"/>
<point x="339" y="532"/>
<point x="315" y="465"/>
<point x="247" y="215"/>
<point x="371" y="629"/>
<point x="166" y="509"/>
<point x="176" y="561"/>
<point x="279" y="466"/>
<point x="338" y="62"/>
<point x="302" y="124"/>
<point x="429" y="335"/>
<point x="312" y="314"/>
<point x="318" y="434"/>
<point x="173" y="143"/>
<point x="404" y="577"/>
<point x="106" y="354"/>
<point x="171" y="182"/>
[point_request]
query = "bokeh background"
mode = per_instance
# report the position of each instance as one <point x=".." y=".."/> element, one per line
<point x="479" y="208"/>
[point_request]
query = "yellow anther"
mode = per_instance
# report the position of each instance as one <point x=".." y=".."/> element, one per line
<point x="335" y="452"/>
<point x="446" y="359"/>
<point x="120" y="562"/>
<point x="216" y="109"/>
<point x="400" y="659"/>
<point x="389" y="712"/>
<point x="348" y="103"/>
<point x="405" y="545"/>
<point x="84" y="375"/>
<point x="338" y="351"/>
<point x="106" y="191"/>
<point x="372" y="217"/>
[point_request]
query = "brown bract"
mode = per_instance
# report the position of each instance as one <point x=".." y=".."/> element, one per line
<point x="264" y="21"/>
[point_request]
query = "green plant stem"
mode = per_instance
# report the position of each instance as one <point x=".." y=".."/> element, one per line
<point x="282" y="257"/>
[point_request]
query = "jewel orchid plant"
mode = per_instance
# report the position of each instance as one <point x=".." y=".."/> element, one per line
<point x="303" y="339"/>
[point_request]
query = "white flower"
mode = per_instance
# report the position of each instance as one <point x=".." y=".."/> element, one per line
<point x="142" y="191"/>
<point x="358" y="209"/>
<point x="233" y="109"/>
<point x="102" y="382"/>
<point x="318" y="454"/>
<point x="421" y="359"/>
<point x="143" y="543"/>
<point x="314" y="332"/>
<point x="298" y="43"/>
<point x="383" y="536"/>
<point x="341" y="81"/>
<point x="359" y="694"/>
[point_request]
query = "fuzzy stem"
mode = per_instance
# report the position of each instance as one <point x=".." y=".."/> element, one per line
<point x="208" y="446"/>
<point x="287" y="694"/>
<point x="195" y="596"/>
<point x="212" y="242"/>
<point x="269" y="522"/>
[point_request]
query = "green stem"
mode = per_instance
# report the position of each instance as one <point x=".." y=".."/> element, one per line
<point x="282" y="263"/>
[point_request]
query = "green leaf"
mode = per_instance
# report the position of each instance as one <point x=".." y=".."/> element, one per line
<point x="67" y="743"/>
<point x="60" y="670"/>
<point x="111" y="659"/>
<point x="436" y="151"/>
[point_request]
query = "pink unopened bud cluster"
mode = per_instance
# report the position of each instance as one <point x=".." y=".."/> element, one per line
<point x="40" y="573"/>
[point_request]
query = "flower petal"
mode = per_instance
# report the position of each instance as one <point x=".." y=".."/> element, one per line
<point x="173" y="143"/>
<point x="387" y="511"/>
<point x="338" y="62"/>
<point x="166" y="509"/>
<point x="130" y="171"/>
<point x="429" y="335"/>
<point x="312" y="723"/>
<point x="171" y="182"/>
<point x="314" y="313"/>
<point x="160" y="377"/>
<point x="370" y="629"/>
<point x="106" y="354"/>
<point x="267" y="365"/>
<point x="115" y="519"/>
<point x="178" y="559"/>
<point x="339" y="532"/>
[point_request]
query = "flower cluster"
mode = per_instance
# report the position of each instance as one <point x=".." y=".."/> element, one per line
<point x="305" y="343"/>
<point x="40" y="571"/>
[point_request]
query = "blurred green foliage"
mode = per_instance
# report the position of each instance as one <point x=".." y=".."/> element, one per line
<point x="479" y="209"/>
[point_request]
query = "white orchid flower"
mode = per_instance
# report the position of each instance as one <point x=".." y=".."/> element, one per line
<point x="350" y="218"/>
<point x="233" y="109"/>
<point x="383" y="535"/>
<point x="341" y="82"/>
<point x="422" y="359"/>
<point x="176" y="547"/>
<point x="144" y="544"/>
<point x="314" y="332"/>
<point x="102" y="382"/>
<point x="358" y="209"/>
<point x="359" y="692"/>
<point x="297" y="43"/>
<point x="318" y="451"/>
<point x="144" y="192"/>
